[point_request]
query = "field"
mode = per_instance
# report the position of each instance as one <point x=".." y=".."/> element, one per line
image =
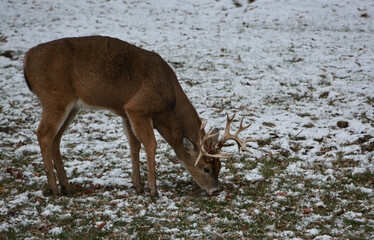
<point x="301" y="72"/>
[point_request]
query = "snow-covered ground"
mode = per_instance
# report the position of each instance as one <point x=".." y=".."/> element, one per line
<point x="302" y="72"/>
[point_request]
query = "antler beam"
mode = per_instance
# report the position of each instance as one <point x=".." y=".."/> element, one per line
<point x="202" y="140"/>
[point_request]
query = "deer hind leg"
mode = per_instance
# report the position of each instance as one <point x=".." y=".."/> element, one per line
<point x="53" y="118"/>
<point x="56" y="155"/>
<point x="143" y="129"/>
<point x="134" y="148"/>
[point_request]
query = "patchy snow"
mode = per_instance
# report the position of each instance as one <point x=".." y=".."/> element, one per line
<point x="51" y="209"/>
<point x="254" y="175"/>
<point x="301" y="72"/>
<point x="56" y="230"/>
<point x="323" y="237"/>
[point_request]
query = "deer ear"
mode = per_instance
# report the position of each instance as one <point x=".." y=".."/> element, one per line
<point x="212" y="142"/>
<point x="190" y="147"/>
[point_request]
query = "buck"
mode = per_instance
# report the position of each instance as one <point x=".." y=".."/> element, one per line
<point x="136" y="84"/>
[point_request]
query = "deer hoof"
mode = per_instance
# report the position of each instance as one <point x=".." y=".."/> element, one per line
<point x="54" y="191"/>
<point x="154" y="193"/>
<point x="139" y="189"/>
<point x="66" y="189"/>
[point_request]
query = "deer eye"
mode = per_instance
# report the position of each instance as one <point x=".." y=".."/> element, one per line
<point x="206" y="170"/>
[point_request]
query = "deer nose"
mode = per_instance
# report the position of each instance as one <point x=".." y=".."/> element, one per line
<point x="214" y="192"/>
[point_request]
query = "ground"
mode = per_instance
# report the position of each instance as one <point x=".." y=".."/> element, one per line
<point x="301" y="72"/>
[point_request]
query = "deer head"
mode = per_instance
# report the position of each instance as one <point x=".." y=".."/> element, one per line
<point x="207" y="153"/>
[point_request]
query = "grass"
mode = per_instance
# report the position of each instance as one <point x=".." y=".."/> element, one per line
<point x="247" y="209"/>
<point x="282" y="204"/>
<point x="322" y="196"/>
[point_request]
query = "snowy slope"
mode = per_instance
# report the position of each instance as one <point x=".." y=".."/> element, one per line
<point x="293" y="68"/>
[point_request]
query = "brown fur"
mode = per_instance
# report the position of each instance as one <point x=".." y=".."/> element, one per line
<point x="108" y="73"/>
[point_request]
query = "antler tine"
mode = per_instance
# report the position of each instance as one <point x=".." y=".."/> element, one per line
<point x="230" y="119"/>
<point x="241" y="127"/>
<point x="208" y="135"/>
<point x="228" y="123"/>
<point x="228" y="136"/>
<point x="202" y="126"/>
<point x="198" y="158"/>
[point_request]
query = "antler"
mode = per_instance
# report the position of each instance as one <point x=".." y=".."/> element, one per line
<point x="228" y="136"/>
<point x="202" y="140"/>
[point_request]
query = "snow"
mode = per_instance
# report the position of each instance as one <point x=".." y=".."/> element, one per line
<point x="254" y="175"/>
<point x="323" y="237"/>
<point x="51" y="209"/>
<point x="292" y="68"/>
<point x="313" y="231"/>
<point x="21" y="198"/>
<point x="56" y="230"/>
<point x="142" y="212"/>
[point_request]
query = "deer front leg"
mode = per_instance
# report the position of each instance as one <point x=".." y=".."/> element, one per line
<point x="134" y="148"/>
<point x="143" y="129"/>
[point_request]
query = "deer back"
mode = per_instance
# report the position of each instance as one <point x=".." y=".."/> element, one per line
<point x="101" y="72"/>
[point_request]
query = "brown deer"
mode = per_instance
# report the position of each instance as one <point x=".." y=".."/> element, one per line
<point x="139" y="86"/>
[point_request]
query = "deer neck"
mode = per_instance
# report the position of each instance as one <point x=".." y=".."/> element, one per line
<point x="182" y="122"/>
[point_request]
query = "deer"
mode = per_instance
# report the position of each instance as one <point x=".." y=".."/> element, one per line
<point x="100" y="72"/>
